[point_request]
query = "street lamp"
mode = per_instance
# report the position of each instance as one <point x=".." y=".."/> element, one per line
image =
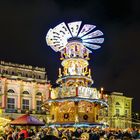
<point x="102" y="92"/>
<point x="102" y="88"/>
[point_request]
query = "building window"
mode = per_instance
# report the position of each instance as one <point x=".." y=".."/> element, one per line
<point x="127" y="104"/>
<point x="38" y="105"/>
<point x="126" y="113"/>
<point x="39" y="94"/>
<point x="117" y="103"/>
<point x="10" y="103"/>
<point x="11" y="91"/>
<point x="6" y="72"/>
<point x="25" y="92"/>
<point x="13" y="72"/>
<point x="117" y="112"/>
<point x="25" y="104"/>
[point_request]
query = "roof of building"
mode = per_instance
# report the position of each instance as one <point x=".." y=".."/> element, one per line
<point x="22" y="66"/>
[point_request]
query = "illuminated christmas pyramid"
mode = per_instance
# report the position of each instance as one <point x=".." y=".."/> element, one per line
<point x="74" y="102"/>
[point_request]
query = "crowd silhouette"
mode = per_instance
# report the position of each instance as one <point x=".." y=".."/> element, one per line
<point x="50" y="133"/>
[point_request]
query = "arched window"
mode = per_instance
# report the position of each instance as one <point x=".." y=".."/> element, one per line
<point x="117" y="103"/>
<point x="13" y="72"/>
<point x="39" y="94"/>
<point x="25" y="92"/>
<point x="10" y="91"/>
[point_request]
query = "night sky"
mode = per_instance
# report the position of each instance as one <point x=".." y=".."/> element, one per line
<point x="116" y="66"/>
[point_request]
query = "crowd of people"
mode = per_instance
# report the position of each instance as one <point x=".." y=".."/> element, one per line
<point x="24" y="133"/>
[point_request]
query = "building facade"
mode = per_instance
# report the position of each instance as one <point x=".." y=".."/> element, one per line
<point x="118" y="114"/>
<point x="22" y="89"/>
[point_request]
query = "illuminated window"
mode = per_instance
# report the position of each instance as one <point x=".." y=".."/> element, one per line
<point x="10" y="103"/>
<point x="38" y="105"/>
<point x="25" y="104"/>
<point x="117" y="112"/>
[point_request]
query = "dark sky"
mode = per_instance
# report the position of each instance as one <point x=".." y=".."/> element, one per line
<point x="116" y="66"/>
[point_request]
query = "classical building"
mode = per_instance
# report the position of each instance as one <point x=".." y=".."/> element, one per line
<point x="22" y="88"/>
<point x="118" y="114"/>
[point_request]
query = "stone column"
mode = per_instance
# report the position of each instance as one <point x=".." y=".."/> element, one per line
<point x="34" y="88"/>
<point x="19" y="92"/>
<point x="4" y="92"/>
